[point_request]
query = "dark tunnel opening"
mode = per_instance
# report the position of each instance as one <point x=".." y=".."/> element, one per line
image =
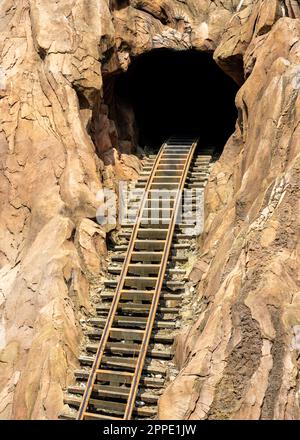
<point x="179" y="93"/>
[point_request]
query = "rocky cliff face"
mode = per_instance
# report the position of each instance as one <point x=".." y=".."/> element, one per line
<point x="60" y="145"/>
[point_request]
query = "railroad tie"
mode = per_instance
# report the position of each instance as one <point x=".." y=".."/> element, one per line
<point x="130" y="339"/>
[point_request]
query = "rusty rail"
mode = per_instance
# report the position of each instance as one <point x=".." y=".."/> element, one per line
<point x="180" y="163"/>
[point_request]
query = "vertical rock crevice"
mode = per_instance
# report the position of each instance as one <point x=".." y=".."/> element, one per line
<point x="241" y="364"/>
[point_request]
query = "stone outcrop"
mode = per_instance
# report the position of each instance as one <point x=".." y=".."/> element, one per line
<point x="61" y="143"/>
<point x="241" y="357"/>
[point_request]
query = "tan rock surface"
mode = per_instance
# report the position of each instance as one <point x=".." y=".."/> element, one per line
<point x="49" y="181"/>
<point x="241" y="350"/>
<point x="59" y="146"/>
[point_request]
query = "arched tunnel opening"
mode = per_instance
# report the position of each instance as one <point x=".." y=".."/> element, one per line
<point x="178" y="93"/>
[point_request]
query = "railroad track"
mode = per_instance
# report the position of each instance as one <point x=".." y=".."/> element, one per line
<point x="123" y="367"/>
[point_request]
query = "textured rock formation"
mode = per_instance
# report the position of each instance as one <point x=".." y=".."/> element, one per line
<point x="61" y="142"/>
<point x="241" y="357"/>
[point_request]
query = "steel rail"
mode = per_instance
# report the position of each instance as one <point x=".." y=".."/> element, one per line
<point x="136" y="376"/>
<point x="158" y="287"/>
<point x="115" y="302"/>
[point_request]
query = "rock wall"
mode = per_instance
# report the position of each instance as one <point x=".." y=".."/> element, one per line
<point x="241" y="356"/>
<point x="59" y="146"/>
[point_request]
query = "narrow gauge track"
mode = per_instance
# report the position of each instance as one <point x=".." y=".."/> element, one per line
<point x="131" y="338"/>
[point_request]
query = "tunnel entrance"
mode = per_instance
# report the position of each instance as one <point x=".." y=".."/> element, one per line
<point x="178" y="93"/>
